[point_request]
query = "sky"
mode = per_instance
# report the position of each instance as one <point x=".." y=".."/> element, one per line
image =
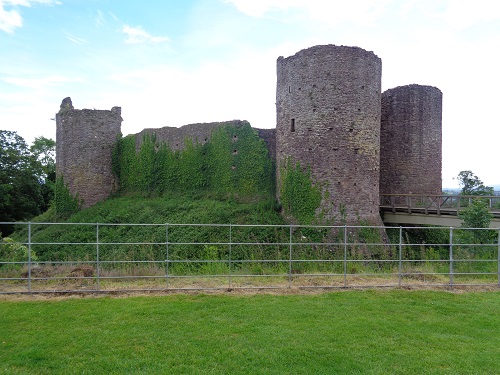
<point x="172" y="62"/>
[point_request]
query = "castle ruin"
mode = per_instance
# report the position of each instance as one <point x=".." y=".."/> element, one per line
<point x="331" y="118"/>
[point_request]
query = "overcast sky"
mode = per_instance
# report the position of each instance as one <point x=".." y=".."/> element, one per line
<point x="172" y="62"/>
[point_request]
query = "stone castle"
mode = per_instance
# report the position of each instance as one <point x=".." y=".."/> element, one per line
<point x="331" y="117"/>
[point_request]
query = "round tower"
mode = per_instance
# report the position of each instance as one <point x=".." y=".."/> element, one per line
<point x="84" y="145"/>
<point x="328" y="120"/>
<point x="411" y="138"/>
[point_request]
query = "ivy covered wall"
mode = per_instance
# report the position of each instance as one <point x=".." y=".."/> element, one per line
<point x="234" y="162"/>
<point x="300" y="197"/>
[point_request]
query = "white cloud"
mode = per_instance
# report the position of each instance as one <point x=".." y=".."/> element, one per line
<point x="75" y="39"/>
<point x="11" y="19"/>
<point x="258" y="8"/>
<point x="136" y="35"/>
<point x="100" y="20"/>
<point x="332" y="12"/>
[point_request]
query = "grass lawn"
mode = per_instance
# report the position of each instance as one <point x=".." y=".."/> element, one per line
<point x="365" y="332"/>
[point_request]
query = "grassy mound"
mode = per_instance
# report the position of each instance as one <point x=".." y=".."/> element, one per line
<point x="136" y="209"/>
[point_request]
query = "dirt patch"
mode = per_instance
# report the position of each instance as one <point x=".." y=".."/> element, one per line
<point x="419" y="275"/>
<point x="39" y="272"/>
<point x="54" y="296"/>
<point x="82" y="271"/>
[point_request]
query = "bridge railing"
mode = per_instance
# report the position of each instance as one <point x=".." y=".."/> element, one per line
<point x="434" y="204"/>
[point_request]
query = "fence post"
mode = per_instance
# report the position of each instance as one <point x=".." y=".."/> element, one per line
<point x="290" y="259"/>
<point x="451" y="257"/>
<point x="498" y="254"/>
<point x="98" y="268"/>
<point x="345" y="256"/>
<point x="167" y="260"/>
<point x="400" y="266"/>
<point x="29" y="256"/>
<point x="230" y="249"/>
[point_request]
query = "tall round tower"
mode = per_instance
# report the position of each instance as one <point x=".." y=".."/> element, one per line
<point x="410" y="155"/>
<point x="328" y="119"/>
<point x="84" y="145"/>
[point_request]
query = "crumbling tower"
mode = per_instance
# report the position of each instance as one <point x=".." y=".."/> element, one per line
<point x="84" y="144"/>
<point x="410" y="156"/>
<point x="328" y="119"/>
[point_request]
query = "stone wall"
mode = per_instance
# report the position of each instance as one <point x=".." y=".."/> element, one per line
<point x="84" y="143"/>
<point x="201" y="133"/>
<point x="410" y="156"/>
<point x="328" y="118"/>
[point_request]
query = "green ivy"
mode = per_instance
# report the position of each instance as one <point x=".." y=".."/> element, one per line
<point x="299" y="196"/>
<point x="191" y="166"/>
<point x="235" y="162"/>
<point x="125" y="163"/>
<point x="64" y="203"/>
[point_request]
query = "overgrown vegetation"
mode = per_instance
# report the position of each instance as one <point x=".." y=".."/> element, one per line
<point x="65" y="204"/>
<point x="299" y="196"/>
<point x="169" y="208"/>
<point x="477" y="215"/>
<point x="15" y="254"/>
<point x="233" y="163"/>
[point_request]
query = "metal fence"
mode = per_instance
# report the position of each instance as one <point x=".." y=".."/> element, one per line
<point x="99" y="257"/>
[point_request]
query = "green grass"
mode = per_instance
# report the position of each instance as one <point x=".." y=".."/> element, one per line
<point x="365" y="332"/>
<point x="135" y="209"/>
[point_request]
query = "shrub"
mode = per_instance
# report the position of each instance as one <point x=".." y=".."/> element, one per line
<point x="11" y="251"/>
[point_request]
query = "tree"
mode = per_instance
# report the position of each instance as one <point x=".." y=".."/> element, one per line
<point x="477" y="215"/>
<point x="44" y="151"/>
<point x="472" y="185"/>
<point x="22" y="176"/>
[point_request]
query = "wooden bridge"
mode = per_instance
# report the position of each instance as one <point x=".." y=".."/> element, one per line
<point x="438" y="210"/>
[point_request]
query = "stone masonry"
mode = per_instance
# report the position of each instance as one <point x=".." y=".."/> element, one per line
<point x="410" y="147"/>
<point x="328" y="118"/>
<point x="84" y="144"/>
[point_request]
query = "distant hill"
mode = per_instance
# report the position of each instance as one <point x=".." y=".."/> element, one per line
<point x="455" y="191"/>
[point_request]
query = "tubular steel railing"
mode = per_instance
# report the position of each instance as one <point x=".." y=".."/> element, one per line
<point x="229" y="256"/>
